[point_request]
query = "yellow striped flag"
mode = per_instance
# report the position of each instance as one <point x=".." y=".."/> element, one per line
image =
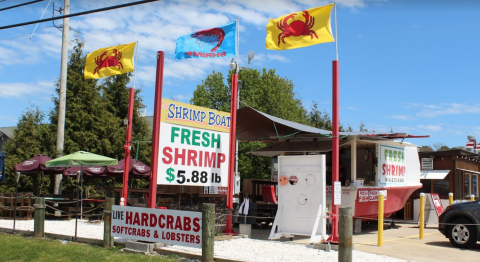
<point x="300" y="29"/>
<point x="109" y="61"/>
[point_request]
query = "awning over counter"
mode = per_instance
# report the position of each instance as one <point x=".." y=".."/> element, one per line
<point x="297" y="146"/>
<point x="255" y="125"/>
<point x="433" y="174"/>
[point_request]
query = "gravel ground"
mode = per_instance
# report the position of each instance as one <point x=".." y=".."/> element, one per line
<point x="243" y="249"/>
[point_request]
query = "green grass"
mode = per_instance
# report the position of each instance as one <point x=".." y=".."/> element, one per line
<point x="20" y="248"/>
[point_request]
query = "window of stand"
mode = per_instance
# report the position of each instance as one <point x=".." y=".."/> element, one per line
<point x="466" y="184"/>
<point x="475" y="185"/>
<point x="470" y="185"/>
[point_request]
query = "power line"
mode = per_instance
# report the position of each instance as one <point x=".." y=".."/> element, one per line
<point x="15" y="6"/>
<point x="24" y="34"/>
<point x="79" y="14"/>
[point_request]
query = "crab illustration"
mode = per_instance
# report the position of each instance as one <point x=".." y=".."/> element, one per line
<point x="112" y="60"/>
<point x="297" y="27"/>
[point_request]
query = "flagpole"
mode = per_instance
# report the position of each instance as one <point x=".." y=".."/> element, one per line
<point x="335" y="136"/>
<point x="336" y="38"/>
<point x="237" y="44"/>
<point x="157" y="112"/>
<point x="135" y="65"/>
<point x="128" y="145"/>
<point x="233" y="142"/>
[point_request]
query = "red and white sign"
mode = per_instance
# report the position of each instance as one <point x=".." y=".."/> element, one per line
<point x="370" y="195"/>
<point x="363" y="196"/>
<point x="221" y="190"/>
<point x="192" y="156"/>
<point x="345" y="191"/>
<point x="174" y="227"/>
<point x="373" y="195"/>
<point x="437" y="204"/>
<point x="392" y="165"/>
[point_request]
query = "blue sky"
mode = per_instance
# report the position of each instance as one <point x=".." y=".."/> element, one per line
<point x="407" y="65"/>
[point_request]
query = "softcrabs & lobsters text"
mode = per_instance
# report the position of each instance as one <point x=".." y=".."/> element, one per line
<point x="163" y="227"/>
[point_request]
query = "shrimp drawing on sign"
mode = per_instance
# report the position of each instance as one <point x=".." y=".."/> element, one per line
<point x="206" y="38"/>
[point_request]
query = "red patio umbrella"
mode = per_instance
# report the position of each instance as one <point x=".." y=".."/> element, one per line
<point x="137" y="169"/>
<point x="36" y="165"/>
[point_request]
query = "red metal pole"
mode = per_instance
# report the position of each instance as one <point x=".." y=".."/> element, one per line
<point x="128" y="144"/>
<point x="231" y="162"/>
<point x="335" y="146"/>
<point x="152" y="191"/>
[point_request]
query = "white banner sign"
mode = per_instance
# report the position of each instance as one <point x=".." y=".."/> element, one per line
<point x="392" y="165"/>
<point x="174" y="227"/>
<point x="337" y="193"/>
<point x="192" y="156"/>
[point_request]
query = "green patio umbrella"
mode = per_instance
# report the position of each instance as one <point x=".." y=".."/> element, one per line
<point x="81" y="158"/>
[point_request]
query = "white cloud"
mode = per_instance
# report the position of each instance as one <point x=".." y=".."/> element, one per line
<point x="448" y="109"/>
<point x="41" y="89"/>
<point x="433" y="128"/>
<point x="402" y="117"/>
<point x="261" y="58"/>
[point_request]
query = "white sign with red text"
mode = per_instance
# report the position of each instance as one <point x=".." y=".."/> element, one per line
<point x="345" y="190"/>
<point x="174" y="227"/>
<point x="370" y="195"/>
<point x="392" y="165"/>
<point x="373" y="195"/>
<point x="363" y="196"/>
<point x="192" y="156"/>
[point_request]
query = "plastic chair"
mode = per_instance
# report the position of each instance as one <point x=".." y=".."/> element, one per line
<point x="268" y="193"/>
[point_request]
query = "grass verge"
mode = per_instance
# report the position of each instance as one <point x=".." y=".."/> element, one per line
<point x="20" y="248"/>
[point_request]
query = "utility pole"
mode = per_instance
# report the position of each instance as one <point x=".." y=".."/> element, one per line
<point x="57" y="190"/>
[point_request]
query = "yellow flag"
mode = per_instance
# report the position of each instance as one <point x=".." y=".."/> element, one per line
<point x="110" y="61"/>
<point x="300" y="29"/>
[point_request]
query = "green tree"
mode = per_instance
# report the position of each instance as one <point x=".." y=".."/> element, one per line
<point x="426" y="149"/>
<point x="116" y="93"/>
<point x="89" y="125"/>
<point x="32" y="137"/>
<point x="322" y="120"/>
<point x="440" y="147"/>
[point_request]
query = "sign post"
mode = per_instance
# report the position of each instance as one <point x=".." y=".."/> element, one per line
<point x="157" y="111"/>
<point x="208" y="231"/>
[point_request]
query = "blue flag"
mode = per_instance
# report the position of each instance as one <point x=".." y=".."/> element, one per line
<point x="209" y="43"/>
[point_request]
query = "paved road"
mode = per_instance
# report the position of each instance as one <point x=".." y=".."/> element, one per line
<point x="402" y="243"/>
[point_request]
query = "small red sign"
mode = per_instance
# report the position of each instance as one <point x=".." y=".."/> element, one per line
<point x="373" y="195"/>
<point x="437" y="204"/>
<point x="363" y="196"/>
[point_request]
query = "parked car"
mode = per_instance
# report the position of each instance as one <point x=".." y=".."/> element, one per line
<point x="460" y="223"/>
